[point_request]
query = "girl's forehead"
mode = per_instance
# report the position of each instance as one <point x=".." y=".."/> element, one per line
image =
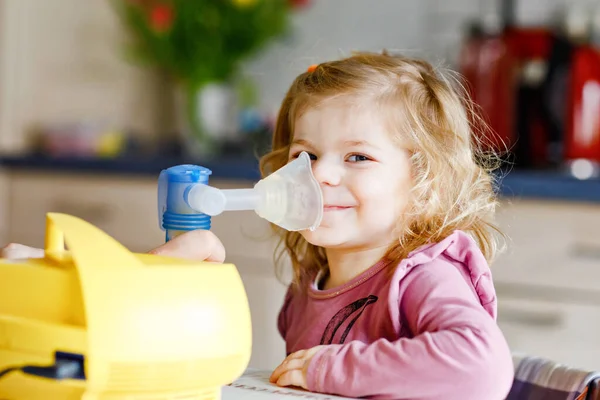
<point x="342" y="123"/>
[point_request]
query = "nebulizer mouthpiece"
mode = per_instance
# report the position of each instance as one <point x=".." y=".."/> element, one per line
<point x="290" y="197"/>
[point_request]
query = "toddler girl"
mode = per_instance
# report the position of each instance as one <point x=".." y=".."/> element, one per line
<point x="392" y="296"/>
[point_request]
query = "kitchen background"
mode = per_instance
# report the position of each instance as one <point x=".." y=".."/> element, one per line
<point x="85" y="130"/>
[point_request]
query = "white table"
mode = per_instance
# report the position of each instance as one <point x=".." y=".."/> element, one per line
<point x="255" y="385"/>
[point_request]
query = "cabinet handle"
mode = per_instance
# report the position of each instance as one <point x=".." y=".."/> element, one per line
<point x="538" y="319"/>
<point x="93" y="213"/>
<point x="553" y="294"/>
<point x="585" y="251"/>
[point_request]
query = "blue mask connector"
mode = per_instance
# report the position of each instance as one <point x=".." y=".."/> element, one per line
<point x="174" y="214"/>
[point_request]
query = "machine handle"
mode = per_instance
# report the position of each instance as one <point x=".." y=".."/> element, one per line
<point x="90" y="247"/>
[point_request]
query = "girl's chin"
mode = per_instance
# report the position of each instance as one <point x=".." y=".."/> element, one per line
<point x="325" y="237"/>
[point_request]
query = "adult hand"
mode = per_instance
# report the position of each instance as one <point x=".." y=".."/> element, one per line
<point x="15" y="251"/>
<point x="198" y="245"/>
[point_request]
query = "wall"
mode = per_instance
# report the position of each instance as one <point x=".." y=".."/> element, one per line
<point x="334" y="28"/>
<point x="60" y="60"/>
<point x="429" y="28"/>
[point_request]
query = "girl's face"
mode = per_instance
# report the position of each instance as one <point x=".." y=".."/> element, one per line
<point x="364" y="174"/>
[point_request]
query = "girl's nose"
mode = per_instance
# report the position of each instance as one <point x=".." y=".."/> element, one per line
<point x="327" y="172"/>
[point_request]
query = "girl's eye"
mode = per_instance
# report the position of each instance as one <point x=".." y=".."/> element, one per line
<point x="358" y="158"/>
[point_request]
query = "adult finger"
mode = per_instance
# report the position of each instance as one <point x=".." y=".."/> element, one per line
<point x="198" y="245"/>
<point x="19" y="251"/>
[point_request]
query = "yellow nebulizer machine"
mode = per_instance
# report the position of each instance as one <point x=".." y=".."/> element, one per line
<point x="93" y="321"/>
<point x="97" y="322"/>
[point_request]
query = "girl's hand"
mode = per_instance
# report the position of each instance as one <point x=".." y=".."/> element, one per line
<point x="199" y="245"/>
<point x="292" y="371"/>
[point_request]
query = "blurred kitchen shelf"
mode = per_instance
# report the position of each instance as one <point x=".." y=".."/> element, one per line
<point x="224" y="167"/>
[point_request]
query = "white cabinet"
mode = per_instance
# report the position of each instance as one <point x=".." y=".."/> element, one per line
<point x="548" y="282"/>
<point x="563" y="332"/>
<point x="265" y="295"/>
<point x="123" y="208"/>
<point x="550" y="244"/>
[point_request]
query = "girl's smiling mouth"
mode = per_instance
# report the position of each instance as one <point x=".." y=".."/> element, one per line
<point x="330" y="207"/>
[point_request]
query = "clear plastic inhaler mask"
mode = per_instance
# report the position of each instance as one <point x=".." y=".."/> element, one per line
<point x="290" y="197"/>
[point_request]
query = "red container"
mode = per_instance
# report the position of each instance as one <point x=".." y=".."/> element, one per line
<point x="491" y="74"/>
<point x="583" y="130"/>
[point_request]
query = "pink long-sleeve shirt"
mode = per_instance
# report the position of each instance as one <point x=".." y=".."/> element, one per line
<point x="426" y="332"/>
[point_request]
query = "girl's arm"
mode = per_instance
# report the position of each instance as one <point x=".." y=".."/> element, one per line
<point x="457" y="350"/>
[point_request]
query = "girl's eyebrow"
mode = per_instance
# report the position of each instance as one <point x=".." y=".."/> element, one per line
<point x="359" y="143"/>
<point x="349" y="143"/>
<point x="302" y="142"/>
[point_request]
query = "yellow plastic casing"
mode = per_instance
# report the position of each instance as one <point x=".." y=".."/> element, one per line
<point x="149" y="327"/>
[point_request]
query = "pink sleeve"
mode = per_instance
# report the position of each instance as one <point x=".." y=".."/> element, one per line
<point x="457" y="351"/>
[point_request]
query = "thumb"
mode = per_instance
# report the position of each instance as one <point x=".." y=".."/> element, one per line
<point x="198" y="245"/>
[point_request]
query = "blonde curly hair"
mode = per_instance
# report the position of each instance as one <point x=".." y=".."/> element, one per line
<point x="453" y="184"/>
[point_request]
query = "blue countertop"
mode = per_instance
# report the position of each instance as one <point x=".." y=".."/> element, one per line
<point x="227" y="167"/>
<point x="550" y="185"/>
